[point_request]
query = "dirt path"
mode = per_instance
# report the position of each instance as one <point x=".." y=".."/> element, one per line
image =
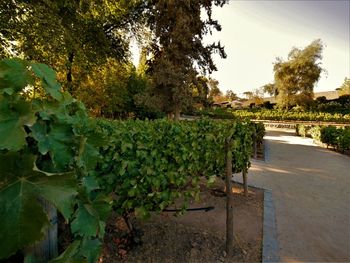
<point x="311" y="189"/>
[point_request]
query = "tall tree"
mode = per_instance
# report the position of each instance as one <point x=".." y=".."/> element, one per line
<point x="214" y="91"/>
<point x="270" y="89"/>
<point x="231" y="95"/>
<point x="200" y="91"/>
<point x="248" y="94"/>
<point x="178" y="49"/>
<point x="296" y="77"/>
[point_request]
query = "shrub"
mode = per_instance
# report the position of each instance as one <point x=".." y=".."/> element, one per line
<point x="344" y="139"/>
<point x="329" y="135"/>
<point x="315" y="133"/>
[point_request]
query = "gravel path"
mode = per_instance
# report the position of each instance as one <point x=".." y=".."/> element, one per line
<point x="311" y="189"/>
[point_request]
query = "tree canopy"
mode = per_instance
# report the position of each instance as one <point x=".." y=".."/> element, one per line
<point x="87" y="42"/>
<point x="295" y="78"/>
<point x="178" y="52"/>
<point x="344" y="89"/>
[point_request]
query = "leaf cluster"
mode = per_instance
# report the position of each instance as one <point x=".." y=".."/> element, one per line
<point x="337" y="137"/>
<point x="47" y="149"/>
<point x="150" y="164"/>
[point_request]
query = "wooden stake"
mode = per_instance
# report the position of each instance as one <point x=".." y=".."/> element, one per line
<point x="229" y="200"/>
<point x="46" y="249"/>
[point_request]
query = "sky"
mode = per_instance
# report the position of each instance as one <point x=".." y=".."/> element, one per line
<point x="254" y="33"/>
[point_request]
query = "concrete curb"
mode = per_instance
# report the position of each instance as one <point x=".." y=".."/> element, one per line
<point x="270" y="251"/>
<point x="270" y="246"/>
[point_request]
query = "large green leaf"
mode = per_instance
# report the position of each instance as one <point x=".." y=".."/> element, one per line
<point x="22" y="219"/>
<point x="89" y="218"/>
<point x="85" y="222"/>
<point x="70" y="254"/>
<point x="14" y="76"/>
<point x="13" y="118"/>
<point x="48" y="80"/>
<point x="57" y="140"/>
<point x="91" y="249"/>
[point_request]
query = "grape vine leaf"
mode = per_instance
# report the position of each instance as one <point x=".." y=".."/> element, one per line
<point x="22" y="219"/>
<point x="55" y="140"/>
<point x="14" y="76"/>
<point x="48" y="80"/>
<point x="70" y="254"/>
<point x="89" y="217"/>
<point x="13" y="118"/>
<point x="85" y="222"/>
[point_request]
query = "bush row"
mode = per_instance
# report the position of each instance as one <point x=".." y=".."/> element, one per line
<point x="148" y="164"/>
<point x="338" y="138"/>
<point x="291" y="115"/>
<point x="277" y="115"/>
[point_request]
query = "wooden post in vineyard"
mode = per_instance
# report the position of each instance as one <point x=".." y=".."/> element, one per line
<point x="229" y="199"/>
<point x="46" y="249"/>
<point x="255" y="146"/>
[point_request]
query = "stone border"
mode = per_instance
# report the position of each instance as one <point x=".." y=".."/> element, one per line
<point x="270" y="251"/>
<point x="270" y="246"/>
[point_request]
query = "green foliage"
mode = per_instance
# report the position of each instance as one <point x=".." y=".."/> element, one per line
<point x="344" y="139"/>
<point x="21" y="186"/>
<point x="259" y="132"/>
<point x="44" y="152"/>
<point x="329" y="135"/>
<point x="296" y="77"/>
<point x="338" y="138"/>
<point x="344" y="89"/>
<point x="339" y="105"/>
<point x="301" y="130"/>
<point x="315" y="133"/>
<point x="279" y="115"/>
<point x="178" y="50"/>
<point x="149" y="164"/>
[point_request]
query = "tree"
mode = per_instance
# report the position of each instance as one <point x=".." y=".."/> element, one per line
<point x="71" y="36"/>
<point x="178" y="50"/>
<point x="200" y="91"/>
<point x="214" y="91"/>
<point x="231" y="95"/>
<point x="255" y="96"/>
<point x="344" y="89"/>
<point x="270" y="89"/>
<point x="296" y="77"/>
<point x="248" y="94"/>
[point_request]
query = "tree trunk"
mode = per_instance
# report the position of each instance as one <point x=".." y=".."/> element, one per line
<point x="255" y="146"/>
<point x="69" y="72"/>
<point x="170" y="116"/>
<point x="46" y="249"/>
<point x="229" y="201"/>
<point x="245" y="182"/>
<point x="177" y="113"/>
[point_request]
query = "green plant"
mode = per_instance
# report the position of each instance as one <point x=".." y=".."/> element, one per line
<point x="279" y="115"/>
<point x="329" y="135"/>
<point x="344" y="139"/>
<point x="315" y="132"/>
<point x="46" y="151"/>
<point x="149" y="164"/>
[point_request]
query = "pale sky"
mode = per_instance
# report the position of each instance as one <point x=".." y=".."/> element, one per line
<point x="254" y="33"/>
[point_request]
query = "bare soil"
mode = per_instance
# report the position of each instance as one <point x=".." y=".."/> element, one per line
<point x="197" y="236"/>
